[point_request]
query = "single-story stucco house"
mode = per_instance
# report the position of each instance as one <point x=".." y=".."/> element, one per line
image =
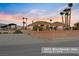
<point x="46" y="25"/>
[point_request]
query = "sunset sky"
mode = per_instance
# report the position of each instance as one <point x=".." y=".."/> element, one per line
<point x="13" y="13"/>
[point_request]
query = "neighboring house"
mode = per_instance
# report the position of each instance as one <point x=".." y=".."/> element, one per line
<point x="1" y="25"/>
<point x="46" y="25"/>
<point x="10" y="26"/>
<point x="58" y="25"/>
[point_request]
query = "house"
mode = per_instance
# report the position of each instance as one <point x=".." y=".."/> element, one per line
<point x="38" y="24"/>
<point x="43" y="25"/>
<point x="10" y="26"/>
<point x="58" y="25"/>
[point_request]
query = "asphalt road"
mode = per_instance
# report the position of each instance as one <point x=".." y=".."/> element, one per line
<point x="35" y="48"/>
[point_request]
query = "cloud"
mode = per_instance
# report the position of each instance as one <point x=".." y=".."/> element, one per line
<point x="36" y="12"/>
<point x="6" y="18"/>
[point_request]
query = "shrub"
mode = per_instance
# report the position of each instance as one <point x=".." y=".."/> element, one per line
<point x="5" y="32"/>
<point x="40" y="28"/>
<point x="74" y="28"/>
<point x="76" y="25"/>
<point x="0" y="32"/>
<point x="35" y="28"/>
<point x="18" y="32"/>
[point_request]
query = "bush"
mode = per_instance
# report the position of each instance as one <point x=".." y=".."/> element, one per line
<point x="76" y="26"/>
<point x="5" y="32"/>
<point x="35" y="28"/>
<point x="18" y="32"/>
<point x="40" y="28"/>
<point x="0" y="32"/>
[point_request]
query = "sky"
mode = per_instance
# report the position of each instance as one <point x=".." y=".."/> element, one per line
<point x="14" y="12"/>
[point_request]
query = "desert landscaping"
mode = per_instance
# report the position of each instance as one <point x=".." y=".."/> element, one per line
<point x="30" y="37"/>
<point x="24" y="31"/>
<point x="55" y="34"/>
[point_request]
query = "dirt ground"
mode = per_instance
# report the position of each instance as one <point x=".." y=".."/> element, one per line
<point x="55" y="34"/>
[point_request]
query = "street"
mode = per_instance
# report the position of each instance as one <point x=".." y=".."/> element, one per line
<point x="34" y="49"/>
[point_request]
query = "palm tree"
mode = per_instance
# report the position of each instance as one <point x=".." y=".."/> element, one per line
<point x="26" y="22"/>
<point x="62" y="13"/>
<point x="50" y="20"/>
<point x="23" y="22"/>
<point x="70" y="6"/>
<point x="50" y="24"/>
<point x="67" y="10"/>
<point x="67" y="20"/>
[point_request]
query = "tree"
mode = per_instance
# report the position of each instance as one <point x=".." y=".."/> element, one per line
<point x="23" y="22"/>
<point x="76" y="25"/>
<point x="70" y="6"/>
<point x="26" y="22"/>
<point x="62" y="13"/>
<point x="51" y="20"/>
<point x="66" y="11"/>
<point x="50" y="24"/>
